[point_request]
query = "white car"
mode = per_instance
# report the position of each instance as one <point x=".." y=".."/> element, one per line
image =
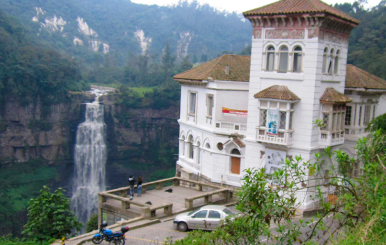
<point x="205" y="218"/>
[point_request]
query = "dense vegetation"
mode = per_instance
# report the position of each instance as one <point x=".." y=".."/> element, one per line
<point x="116" y="21"/>
<point x="29" y="71"/>
<point x="354" y="214"/>
<point x="367" y="43"/>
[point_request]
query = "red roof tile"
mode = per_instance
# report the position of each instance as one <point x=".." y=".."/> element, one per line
<point x="239" y="67"/>
<point x="277" y="92"/>
<point x="331" y="95"/>
<point x="358" y="78"/>
<point x="299" y="6"/>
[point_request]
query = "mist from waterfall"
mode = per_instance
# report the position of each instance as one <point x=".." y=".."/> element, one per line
<point x="90" y="161"/>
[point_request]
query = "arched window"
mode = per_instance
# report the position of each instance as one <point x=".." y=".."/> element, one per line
<point x="325" y="60"/>
<point x="235" y="152"/>
<point x="330" y="62"/>
<point x="207" y="146"/>
<point x="270" y="58"/>
<point x="198" y="152"/>
<point x="297" y="65"/>
<point x="190" y="147"/>
<point x="183" y="145"/>
<point x="283" y="59"/>
<point x="336" y="65"/>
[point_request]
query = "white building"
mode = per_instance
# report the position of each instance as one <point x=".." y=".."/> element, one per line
<point x="241" y="112"/>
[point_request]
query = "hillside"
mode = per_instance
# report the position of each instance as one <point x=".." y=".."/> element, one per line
<point x="88" y="29"/>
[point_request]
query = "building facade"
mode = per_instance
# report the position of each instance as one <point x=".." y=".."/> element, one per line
<point x="240" y="112"/>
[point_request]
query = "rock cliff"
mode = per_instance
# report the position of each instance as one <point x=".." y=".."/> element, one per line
<point x="141" y="141"/>
<point x="37" y="131"/>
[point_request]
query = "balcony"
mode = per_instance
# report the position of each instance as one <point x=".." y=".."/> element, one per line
<point x="331" y="139"/>
<point x="229" y="126"/>
<point x="282" y="138"/>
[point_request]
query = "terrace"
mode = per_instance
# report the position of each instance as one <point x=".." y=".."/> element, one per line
<point x="186" y="195"/>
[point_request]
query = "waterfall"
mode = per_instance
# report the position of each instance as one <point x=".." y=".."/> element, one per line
<point x="90" y="161"/>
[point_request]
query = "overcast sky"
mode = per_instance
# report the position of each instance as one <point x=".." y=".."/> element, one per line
<point x="239" y="5"/>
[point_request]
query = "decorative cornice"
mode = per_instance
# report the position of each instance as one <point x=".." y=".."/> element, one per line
<point x="192" y="82"/>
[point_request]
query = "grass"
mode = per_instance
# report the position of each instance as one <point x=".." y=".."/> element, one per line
<point x="140" y="90"/>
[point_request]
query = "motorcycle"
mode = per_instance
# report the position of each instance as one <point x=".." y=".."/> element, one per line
<point x="117" y="238"/>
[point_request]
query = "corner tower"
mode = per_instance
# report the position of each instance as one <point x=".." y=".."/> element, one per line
<point x="297" y="75"/>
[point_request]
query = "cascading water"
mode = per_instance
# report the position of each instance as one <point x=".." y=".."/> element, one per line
<point x="90" y="161"/>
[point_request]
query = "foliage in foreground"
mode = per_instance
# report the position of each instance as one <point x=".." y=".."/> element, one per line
<point x="349" y="205"/>
<point x="10" y="240"/>
<point x="49" y="216"/>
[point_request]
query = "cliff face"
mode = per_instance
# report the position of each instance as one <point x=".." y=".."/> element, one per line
<point x="37" y="131"/>
<point x="141" y="141"/>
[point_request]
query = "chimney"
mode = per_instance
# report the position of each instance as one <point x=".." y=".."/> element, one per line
<point x="226" y="69"/>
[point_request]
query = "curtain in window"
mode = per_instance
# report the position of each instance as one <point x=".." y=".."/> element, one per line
<point x="193" y="103"/>
<point x="270" y="58"/>
<point x="336" y="65"/>
<point x="283" y="64"/>
<point x="297" y="66"/>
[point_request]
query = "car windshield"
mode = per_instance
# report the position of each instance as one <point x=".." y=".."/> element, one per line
<point x="228" y="211"/>
<point x="193" y="212"/>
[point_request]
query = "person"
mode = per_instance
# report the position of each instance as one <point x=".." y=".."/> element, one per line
<point x="131" y="184"/>
<point x="139" y="186"/>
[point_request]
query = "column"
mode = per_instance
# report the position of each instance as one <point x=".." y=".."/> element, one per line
<point x="352" y="122"/>
<point x="363" y="115"/>
<point x="372" y="112"/>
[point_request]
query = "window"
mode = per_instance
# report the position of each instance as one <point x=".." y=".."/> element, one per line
<point x="283" y="116"/>
<point x="283" y="59"/>
<point x="290" y="120"/>
<point x="324" y="60"/>
<point x="192" y="103"/>
<point x="270" y="58"/>
<point x="201" y="214"/>
<point x="263" y="118"/>
<point x="209" y="104"/>
<point x="297" y="65"/>
<point x="367" y="115"/>
<point x="207" y="145"/>
<point x="183" y="146"/>
<point x="326" y="118"/>
<point x="347" y="120"/>
<point x="214" y="215"/>
<point x="235" y="152"/>
<point x="190" y="147"/>
<point x="360" y="116"/>
<point x="330" y="62"/>
<point x="336" y="65"/>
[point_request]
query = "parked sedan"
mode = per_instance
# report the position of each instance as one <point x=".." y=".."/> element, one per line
<point x="205" y="218"/>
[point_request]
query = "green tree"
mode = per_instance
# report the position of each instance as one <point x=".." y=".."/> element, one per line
<point x="49" y="216"/>
<point x="355" y="203"/>
<point x="92" y="223"/>
<point x="167" y="61"/>
<point x="378" y="123"/>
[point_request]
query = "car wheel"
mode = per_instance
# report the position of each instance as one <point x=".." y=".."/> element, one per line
<point x="182" y="226"/>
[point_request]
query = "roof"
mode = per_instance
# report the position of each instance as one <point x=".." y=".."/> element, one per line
<point x="358" y="78"/>
<point x="299" y="6"/>
<point x="278" y="92"/>
<point x="239" y="67"/>
<point x="331" y="95"/>
<point x="237" y="141"/>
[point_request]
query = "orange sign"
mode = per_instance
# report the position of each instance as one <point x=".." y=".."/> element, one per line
<point x="233" y="112"/>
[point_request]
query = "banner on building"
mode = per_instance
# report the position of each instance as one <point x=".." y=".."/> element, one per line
<point x="233" y="112"/>
<point x="273" y="121"/>
<point x="274" y="160"/>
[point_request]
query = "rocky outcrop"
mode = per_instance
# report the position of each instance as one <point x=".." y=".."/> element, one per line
<point x="140" y="140"/>
<point x="37" y="131"/>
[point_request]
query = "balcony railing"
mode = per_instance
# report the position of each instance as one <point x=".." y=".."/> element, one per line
<point x="330" y="139"/>
<point x="282" y="138"/>
<point x="231" y="126"/>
